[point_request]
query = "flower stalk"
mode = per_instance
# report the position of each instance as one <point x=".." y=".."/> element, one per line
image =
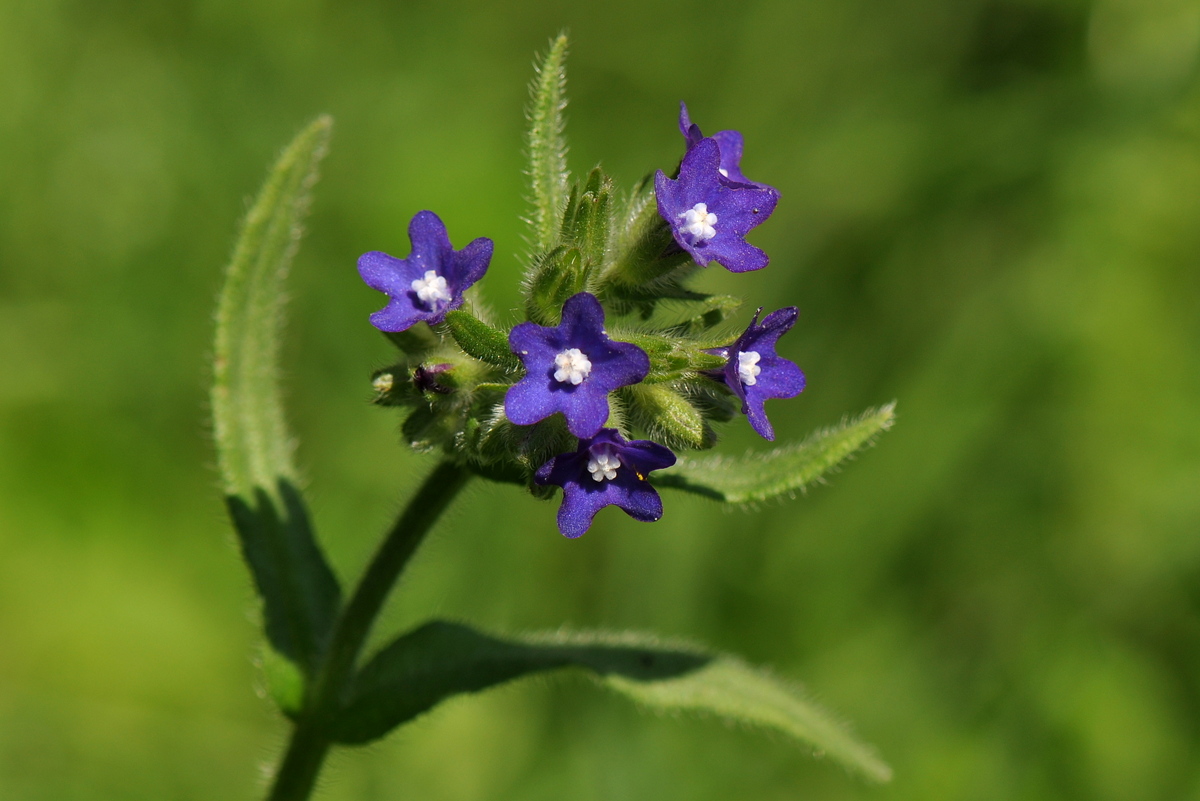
<point x="309" y="744"/>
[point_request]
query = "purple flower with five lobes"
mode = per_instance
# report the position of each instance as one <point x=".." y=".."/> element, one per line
<point x="606" y="470"/>
<point x="730" y="144"/>
<point x="430" y="282"/>
<point x="709" y="216"/>
<point x="755" y="372"/>
<point x="571" y="368"/>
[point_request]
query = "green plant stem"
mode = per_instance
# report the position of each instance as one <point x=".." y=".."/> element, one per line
<point x="297" y="774"/>
<point x="306" y="751"/>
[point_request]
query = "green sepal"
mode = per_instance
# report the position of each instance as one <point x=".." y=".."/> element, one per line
<point x="710" y="313"/>
<point x="415" y="341"/>
<point x="299" y="591"/>
<point x="285" y="683"/>
<point x="671" y="357"/>
<point x="645" y="256"/>
<point x="587" y="218"/>
<point x="440" y="660"/>
<point x="393" y="386"/>
<point x="558" y="275"/>
<point x="666" y="416"/>
<point x="758" y="477"/>
<point x="497" y="441"/>
<point x="644" y="300"/>
<point x="480" y="340"/>
<point x="432" y="425"/>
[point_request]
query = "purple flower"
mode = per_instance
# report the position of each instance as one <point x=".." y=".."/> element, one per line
<point x="709" y="217"/>
<point x="755" y="372"/>
<point x="606" y="471"/>
<point x="730" y="144"/>
<point x="571" y="368"/>
<point x="430" y="282"/>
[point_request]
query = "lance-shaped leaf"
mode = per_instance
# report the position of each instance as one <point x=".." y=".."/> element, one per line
<point x="783" y="471"/>
<point x="299" y="591"/>
<point x="439" y="660"/>
<point x="478" y="339"/>
<point x="548" y="176"/>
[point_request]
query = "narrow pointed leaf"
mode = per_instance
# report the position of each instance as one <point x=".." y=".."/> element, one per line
<point x="783" y="471"/>
<point x="254" y="449"/>
<point x="439" y="660"/>
<point x="547" y="145"/>
<point x="480" y="340"/>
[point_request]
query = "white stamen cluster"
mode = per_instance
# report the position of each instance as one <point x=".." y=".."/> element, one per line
<point x="431" y="289"/>
<point x="699" y="222"/>
<point x="603" y="466"/>
<point x="572" y="366"/>
<point x="748" y="368"/>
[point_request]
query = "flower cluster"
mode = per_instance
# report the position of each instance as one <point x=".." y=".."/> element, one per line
<point x="605" y="350"/>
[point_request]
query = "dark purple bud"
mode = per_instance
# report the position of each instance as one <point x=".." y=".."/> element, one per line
<point x="425" y="378"/>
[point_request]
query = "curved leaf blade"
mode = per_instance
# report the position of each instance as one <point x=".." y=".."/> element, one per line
<point x="440" y="660"/>
<point x="254" y="449"/>
<point x="759" y="477"/>
<point x="548" y="174"/>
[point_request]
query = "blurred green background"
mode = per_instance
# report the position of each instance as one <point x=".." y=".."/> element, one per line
<point x="989" y="212"/>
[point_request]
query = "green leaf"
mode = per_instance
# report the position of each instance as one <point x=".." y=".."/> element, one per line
<point x="440" y="660"/>
<point x="254" y="449"/>
<point x="762" y="476"/>
<point x="548" y="175"/>
<point x="480" y="340"/>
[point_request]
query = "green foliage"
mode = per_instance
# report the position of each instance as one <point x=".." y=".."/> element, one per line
<point x="548" y="175"/>
<point x="300" y="594"/>
<point x="783" y="471"/>
<point x="480" y="340"/>
<point x="440" y="660"/>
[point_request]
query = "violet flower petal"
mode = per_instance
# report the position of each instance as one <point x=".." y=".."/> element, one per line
<point x="622" y="467"/>
<point x="604" y="365"/>
<point x="776" y="377"/>
<point x="700" y="195"/>
<point x="434" y="266"/>
<point x="731" y="145"/>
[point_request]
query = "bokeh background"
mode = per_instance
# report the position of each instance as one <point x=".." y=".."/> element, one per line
<point x="990" y="213"/>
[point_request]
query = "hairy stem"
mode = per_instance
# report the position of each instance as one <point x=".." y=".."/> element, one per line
<point x="306" y="751"/>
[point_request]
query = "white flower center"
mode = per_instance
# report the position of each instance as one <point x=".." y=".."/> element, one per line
<point x="572" y="366"/>
<point x="699" y="221"/>
<point x="748" y="368"/>
<point x="724" y="172"/>
<point x="431" y="289"/>
<point x="603" y="466"/>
